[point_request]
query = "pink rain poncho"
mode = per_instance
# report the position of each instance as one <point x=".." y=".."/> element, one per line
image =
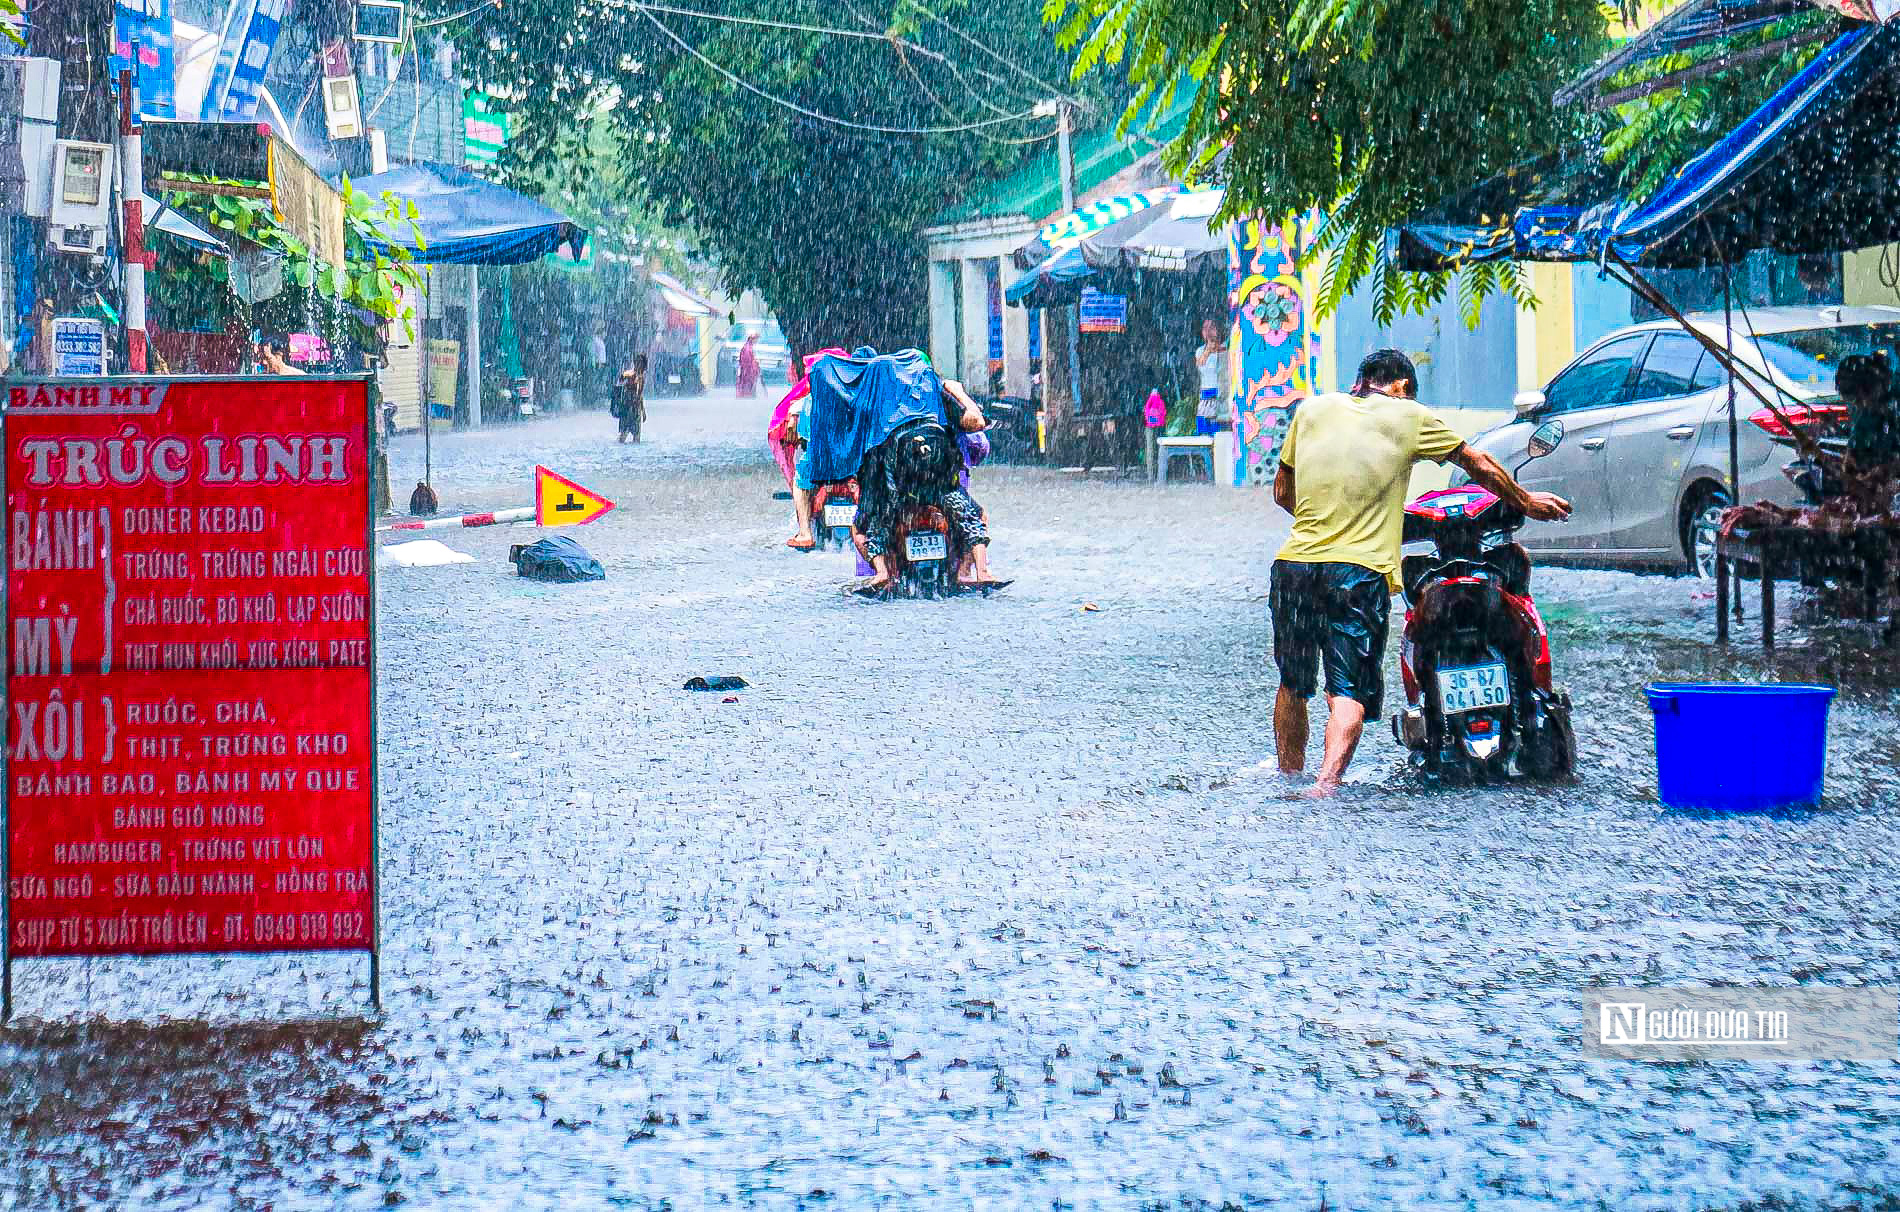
<point x="784" y="445"/>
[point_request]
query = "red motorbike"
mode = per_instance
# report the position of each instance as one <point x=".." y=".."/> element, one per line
<point x="834" y="508"/>
<point x="1474" y="654"/>
<point x="924" y="554"/>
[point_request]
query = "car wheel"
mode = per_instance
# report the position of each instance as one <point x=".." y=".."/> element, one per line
<point x="1701" y="522"/>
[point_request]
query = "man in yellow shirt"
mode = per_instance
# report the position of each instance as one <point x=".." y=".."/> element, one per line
<point x="1343" y="472"/>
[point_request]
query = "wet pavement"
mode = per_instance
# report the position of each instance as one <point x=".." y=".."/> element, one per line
<point x="981" y="903"/>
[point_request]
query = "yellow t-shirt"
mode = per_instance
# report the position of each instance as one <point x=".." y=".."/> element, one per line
<point x="1352" y="460"/>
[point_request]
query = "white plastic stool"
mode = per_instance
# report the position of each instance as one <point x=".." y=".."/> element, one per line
<point x="1169" y="449"/>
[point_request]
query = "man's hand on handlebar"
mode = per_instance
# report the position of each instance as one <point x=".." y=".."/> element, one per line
<point x="1546" y="507"/>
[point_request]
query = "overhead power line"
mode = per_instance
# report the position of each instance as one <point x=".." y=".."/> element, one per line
<point x="813" y="114"/>
<point x="1047" y="88"/>
<point x="874" y="35"/>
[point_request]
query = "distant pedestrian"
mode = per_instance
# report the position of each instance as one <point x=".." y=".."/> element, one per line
<point x="748" y="380"/>
<point x="1211" y="357"/>
<point x="630" y="399"/>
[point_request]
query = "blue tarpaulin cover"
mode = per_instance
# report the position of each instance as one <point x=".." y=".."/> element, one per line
<point x="469" y="221"/>
<point x="1810" y="171"/>
<point x="857" y="402"/>
<point x="559" y="559"/>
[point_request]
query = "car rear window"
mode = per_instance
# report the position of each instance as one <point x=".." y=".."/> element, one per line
<point x="1809" y="357"/>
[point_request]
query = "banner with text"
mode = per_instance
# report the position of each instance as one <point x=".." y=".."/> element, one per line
<point x="189" y="616"/>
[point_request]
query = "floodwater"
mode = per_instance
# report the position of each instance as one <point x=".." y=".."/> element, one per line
<point x="974" y="904"/>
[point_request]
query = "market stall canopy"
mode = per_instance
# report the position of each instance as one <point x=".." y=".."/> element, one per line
<point x="1810" y="171"/>
<point x="1179" y="234"/>
<point x="1173" y="232"/>
<point x="468" y="221"/>
<point x="678" y="297"/>
<point x="1061" y="234"/>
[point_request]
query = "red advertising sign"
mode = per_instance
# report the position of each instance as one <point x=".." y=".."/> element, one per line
<point x="190" y="762"/>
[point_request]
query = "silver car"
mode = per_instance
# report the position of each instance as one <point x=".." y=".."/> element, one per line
<point x="1645" y="456"/>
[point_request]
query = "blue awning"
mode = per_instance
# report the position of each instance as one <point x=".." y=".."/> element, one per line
<point x="1056" y="282"/>
<point x="1810" y="171"/>
<point x="468" y="221"/>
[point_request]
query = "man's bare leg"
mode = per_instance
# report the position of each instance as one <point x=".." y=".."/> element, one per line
<point x="801" y="504"/>
<point x="1289" y="731"/>
<point x="1344" y="727"/>
<point x="885" y="566"/>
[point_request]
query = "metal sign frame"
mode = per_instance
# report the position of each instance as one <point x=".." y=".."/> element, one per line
<point x="375" y="766"/>
<point x="356" y="21"/>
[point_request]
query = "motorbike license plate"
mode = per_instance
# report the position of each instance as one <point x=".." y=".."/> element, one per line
<point x="1473" y="688"/>
<point x="840" y="515"/>
<point x="929" y="545"/>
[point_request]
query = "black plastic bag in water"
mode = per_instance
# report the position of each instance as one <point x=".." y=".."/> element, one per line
<point x="560" y="559"/>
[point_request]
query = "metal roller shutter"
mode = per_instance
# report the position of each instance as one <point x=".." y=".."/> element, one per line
<point x="401" y="379"/>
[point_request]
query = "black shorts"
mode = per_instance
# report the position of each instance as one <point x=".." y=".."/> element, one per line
<point x="1339" y="612"/>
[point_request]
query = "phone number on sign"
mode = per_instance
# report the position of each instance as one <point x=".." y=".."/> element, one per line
<point x="268" y="928"/>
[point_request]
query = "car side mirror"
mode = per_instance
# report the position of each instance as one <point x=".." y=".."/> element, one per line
<point x="1544" y="439"/>
<point x="1528" y="403"/>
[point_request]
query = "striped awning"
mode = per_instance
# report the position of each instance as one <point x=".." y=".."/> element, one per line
<point x="1083" y="221"/>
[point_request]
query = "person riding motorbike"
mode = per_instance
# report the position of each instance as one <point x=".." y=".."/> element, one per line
<point x="909" y="463"/>
<point x="787" y="433"/>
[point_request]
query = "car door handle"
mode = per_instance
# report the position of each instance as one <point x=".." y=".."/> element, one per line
<point x="1681" y="433"/>
<point x="1592" y="443"/>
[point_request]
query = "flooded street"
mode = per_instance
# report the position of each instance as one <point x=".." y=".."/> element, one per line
<point x="989" y="903"/>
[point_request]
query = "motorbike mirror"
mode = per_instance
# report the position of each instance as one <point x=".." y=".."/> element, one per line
<point x="1528" y="403"/>
<point x="1544" y="439"/>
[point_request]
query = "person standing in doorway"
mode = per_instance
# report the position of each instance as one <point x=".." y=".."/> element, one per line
<point x="630" y="399"/>
<point x="1343" y="474"/>
<point x="1211" y="358"/>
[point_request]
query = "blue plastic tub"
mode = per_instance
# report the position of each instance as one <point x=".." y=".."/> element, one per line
<point x="1740" y="748"/>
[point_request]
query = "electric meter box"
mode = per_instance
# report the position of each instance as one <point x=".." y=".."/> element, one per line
<point x="82" y="195"/>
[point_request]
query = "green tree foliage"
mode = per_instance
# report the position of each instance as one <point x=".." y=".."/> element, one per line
<point x="376" y="272"/>
<point x="822" y="218"/>
<point x="1369" y="111"/>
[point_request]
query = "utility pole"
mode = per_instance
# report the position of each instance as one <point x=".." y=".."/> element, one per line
<point x="132" y="251"/>
<point x="474" y="347"/>
<point x="1066" y="154"/>
<point x="1064" y="111"/>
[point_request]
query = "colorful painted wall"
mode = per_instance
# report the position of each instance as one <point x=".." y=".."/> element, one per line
<point x="1274" y="349"/>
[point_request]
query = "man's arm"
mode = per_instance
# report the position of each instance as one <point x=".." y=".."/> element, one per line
<point x="1283" y="487"/>
<point x="972" y="416"/>
<point x="1488" y="472"/>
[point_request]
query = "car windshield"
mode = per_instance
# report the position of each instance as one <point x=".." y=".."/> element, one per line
<point x="1809" y="357"/>
<point x="768" y="334"/>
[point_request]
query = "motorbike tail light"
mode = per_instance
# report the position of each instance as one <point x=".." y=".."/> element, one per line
<point x="1478" y="726"/>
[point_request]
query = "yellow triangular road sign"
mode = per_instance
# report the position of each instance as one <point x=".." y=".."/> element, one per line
<point x="559" y="501"/>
